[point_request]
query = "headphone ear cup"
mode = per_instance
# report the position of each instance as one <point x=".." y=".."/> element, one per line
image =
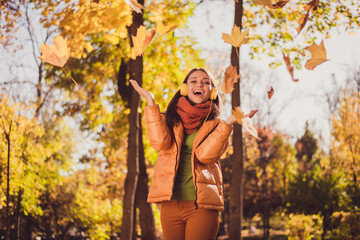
<point x="213" y="94"/>
<point x="183" y="89"/>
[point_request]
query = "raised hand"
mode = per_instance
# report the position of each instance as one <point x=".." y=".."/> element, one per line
<point x="144" y="93"/>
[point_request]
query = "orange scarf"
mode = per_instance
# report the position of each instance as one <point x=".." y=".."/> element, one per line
<point x="192" y="116"/>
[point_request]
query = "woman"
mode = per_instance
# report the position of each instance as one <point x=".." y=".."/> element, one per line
<point x="190" y="138"/>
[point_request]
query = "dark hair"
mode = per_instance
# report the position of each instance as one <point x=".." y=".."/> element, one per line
<point x="173" y="118"/>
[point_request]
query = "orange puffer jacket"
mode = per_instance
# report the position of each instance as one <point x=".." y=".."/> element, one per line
<point x="209" y="144"/>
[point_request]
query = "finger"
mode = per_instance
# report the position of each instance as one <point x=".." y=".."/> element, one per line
<point x="134" y="84"/>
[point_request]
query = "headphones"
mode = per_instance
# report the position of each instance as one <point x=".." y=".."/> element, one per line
<point x="184" y="91"/>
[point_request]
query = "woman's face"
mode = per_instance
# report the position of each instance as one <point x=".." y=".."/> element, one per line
<point x="199" y="87"/>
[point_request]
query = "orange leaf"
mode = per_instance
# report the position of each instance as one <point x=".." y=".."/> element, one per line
<point x="238" y="114"/>
<point x="302" y="21"/>
<point x="270" y="92"/>
<point x="318" y="55"/>
<point x="237" y="38"/>
<point x="142" y="40"/>
<point x="230" y="77"/>
<point x="163" y="30"/>
<point x="289" y="67"/>
<point x="249" y="127"/>
<point x="251" y="114"/>
<point x="273" y="4"/>
<point x="135" y="5"/>
<point x="56" y="55"/>
<point x="312" y="5"/>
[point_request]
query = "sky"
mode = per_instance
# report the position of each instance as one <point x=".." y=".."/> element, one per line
<point x="212" y="18"/>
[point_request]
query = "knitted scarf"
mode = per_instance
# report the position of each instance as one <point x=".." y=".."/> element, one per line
<point x="192" y="116"/>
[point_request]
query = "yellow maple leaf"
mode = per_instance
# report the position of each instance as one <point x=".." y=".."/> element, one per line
<point x="142" y="40"/>
<point x="230" y="77"/>
<point x="238" y="114"/>
<point x="318" y="55"/>
<point x="56" y="55"/>
<point x="237" y="38"/>
<point x="161" y="29"/>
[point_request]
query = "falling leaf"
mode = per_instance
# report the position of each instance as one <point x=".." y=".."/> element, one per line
<point x="237" y="38"/>
<point x="163" y="30"/>
<point x="273" y="4"/>
<point x="230" y="77"/>
<point x="318" y="55"/>
<point x="289" y="67"/>
<point x="251" y="114"/>
<point x="56" y="55"/>
<point x="302" y="21"/>
<point x="135" y="5"/>
<point x="142" y="40"/>
<point x="270" y="92"/>
<point x="312" y="5"/>
<point x="238" y="114"/>
<point x="249" y="127"/>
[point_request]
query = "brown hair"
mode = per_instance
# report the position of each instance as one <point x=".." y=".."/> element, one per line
<point x="173" y="118"/>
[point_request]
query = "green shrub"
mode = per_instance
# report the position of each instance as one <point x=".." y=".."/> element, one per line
<point x="304" y="227"/>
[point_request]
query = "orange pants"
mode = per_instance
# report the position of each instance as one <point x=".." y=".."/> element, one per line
<point x="180" y="220"/>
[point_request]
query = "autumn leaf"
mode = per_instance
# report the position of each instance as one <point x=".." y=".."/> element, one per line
<point x="56" y="55"/>
<point x="251" y="113"/>
<point x="273" y="4"/>
<point x="318" y="55"/>
<point x="95" y="1"/>
<point x="230" y="77"/>
<point x="163" y="30"/>
<point x="237" y="38"/>
<point x="312" y="5"/>
<point x="238" y="114"/>
<point x="289" y="67"/>
<point x="142" y="40"/>
<point x="302" y="21"/>
<point x="135" y="5"/>
<point x="270" y="92"/>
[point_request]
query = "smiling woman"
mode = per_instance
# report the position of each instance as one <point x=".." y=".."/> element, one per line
<point x="190" y="139"/>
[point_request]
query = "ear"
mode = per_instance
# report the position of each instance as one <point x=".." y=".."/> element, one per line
<point x="183" y="89"/>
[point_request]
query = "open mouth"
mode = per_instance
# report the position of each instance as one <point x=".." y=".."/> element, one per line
<point x="198" y="93"/>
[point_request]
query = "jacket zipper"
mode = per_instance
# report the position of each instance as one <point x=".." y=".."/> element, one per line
<point x="196" y="189"/>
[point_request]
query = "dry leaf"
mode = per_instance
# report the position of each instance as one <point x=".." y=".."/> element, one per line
<point x="238" y="114"/>
<point x="163" y="30"/>
<point x="230" y="77"/>
<point x="251" y="114"/>
<point x="270" y="92"/>
<point x="289" y="67"/>
<point x="142" y="40"/>
<point x="237" y="38"/>
<point x="312" y="5"/>
<point x="318" y="55"/>
<point x="273" y="4"/>
<point x="56" y="55"/>
<point x="302" y="21"/>
<point x="249" y="127"/>
<point x="135" y="5"/>
<point x="95" y="1"/>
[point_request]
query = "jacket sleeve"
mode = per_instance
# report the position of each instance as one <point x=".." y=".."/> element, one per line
<point x="158" y="131"/>
<point x="214" y="145"/>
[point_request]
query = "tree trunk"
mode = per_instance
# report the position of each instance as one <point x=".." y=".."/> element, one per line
<point x="18" y="215"/>
<point x="147" y="222"/>
<point x="8" y="220"/>
<point x="236" y="185"/>
<point x="135" y="72"/>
